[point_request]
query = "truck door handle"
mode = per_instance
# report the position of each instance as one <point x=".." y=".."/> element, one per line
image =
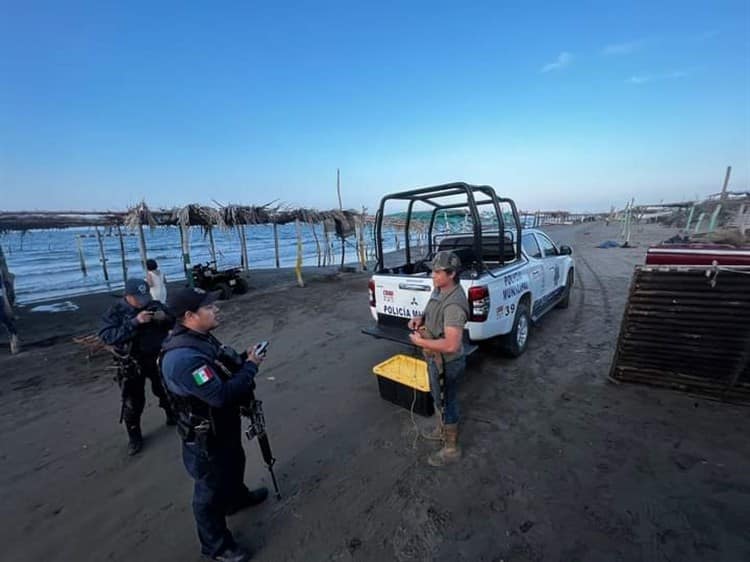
<point x="535" y="272"/>
<point x="414" y="287"/>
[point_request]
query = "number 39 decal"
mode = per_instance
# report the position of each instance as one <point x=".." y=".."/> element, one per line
<point x="505" y="310"/>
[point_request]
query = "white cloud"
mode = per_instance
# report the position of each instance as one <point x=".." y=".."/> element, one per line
<point x="638" y="79"/>
<point x="623" y="48"/>
<point x="645" y="78"/>
<point x="563" y="60"/>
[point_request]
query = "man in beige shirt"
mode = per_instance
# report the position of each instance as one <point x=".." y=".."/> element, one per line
<point x="440" y="335"/>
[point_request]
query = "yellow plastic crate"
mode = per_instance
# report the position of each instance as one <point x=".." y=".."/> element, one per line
<point x="406" y="370"/>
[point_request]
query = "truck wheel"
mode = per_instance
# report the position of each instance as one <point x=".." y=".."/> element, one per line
<point x="225" y="291"/>
<point x="565" y="300"/>
<point x="516" y="341"/>
<point x="240" y="286"/>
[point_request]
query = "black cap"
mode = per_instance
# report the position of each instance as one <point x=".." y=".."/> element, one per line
<point x="181" y="301"/>
<point x="139" y="289"/>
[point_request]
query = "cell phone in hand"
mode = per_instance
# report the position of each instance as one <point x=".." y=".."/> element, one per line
<point x="261" y="349"/>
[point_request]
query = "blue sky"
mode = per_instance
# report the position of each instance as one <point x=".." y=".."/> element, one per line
<point x="558" y="105"/>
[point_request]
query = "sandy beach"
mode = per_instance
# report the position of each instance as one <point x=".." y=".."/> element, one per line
<point x="559" y="464"/>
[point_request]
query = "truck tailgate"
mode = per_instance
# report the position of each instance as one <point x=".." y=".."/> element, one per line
<point x="401" y="297"/>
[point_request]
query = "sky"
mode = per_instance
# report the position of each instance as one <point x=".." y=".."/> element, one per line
<point x="559" y="105"/>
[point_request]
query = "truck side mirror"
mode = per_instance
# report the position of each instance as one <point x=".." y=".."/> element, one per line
<point x="566" y="250"/>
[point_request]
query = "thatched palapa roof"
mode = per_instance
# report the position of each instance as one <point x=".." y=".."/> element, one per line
<point x="192" y="215"/>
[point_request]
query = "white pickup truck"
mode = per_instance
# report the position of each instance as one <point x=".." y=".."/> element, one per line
<point x="510" y="280"/>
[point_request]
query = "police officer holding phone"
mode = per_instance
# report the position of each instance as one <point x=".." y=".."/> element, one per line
<point x="135" y="327"/>
<point x="208" y="383"/>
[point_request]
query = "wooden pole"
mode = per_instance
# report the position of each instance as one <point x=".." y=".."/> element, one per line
<point x="122" y="255"/>
<point x="714" y="218"/>
<point x="80" y="255"/>
<point x="182" y="246"/>
<point x="327" y="253"/>
<point x="276" y="243"/>
<point x="101" y="253"/>
<point x="726" y="183"/>
<point x="212" y="246"/>
<point x="6" y="284"/>
<point x="142" y="242"/>
<point x="317" y="242"/>
<point x="630" y="220"/>
<point x="298" y="267"/>
<point x="185" y="239"/>
<point x="338" y="188"/>
<point x="361" y="242"/>
<point x="690" y="217"/>
<point x="243" y="247"/>
<point x="343" y="250"/>
<point x="700" y="222"/>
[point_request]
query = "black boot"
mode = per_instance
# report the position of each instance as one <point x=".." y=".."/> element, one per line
<point x="232" y="554"/>
<point x="135" y="443"/>
<point x="248" y="499"/>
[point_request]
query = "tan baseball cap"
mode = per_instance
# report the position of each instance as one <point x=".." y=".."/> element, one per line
<point x="445" y="260"/>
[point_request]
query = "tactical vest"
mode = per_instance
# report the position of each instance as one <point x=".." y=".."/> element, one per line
<point x="191" y="411"/>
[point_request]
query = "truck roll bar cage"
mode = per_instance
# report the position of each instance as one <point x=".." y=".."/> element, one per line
<point x="428" y="195"/>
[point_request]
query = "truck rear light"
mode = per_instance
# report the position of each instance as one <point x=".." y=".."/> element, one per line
<point x="479" y="303"/>
<point x="371" y="290"/>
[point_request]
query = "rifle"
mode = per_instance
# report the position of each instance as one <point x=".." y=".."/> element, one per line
<point x="127" y="367"/>
<point x="253" y="410"/>
<point x="257" y="428"/>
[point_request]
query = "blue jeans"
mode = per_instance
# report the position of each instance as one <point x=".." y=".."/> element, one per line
<point x="218" y="477"/>
<point x="453" y="372"/>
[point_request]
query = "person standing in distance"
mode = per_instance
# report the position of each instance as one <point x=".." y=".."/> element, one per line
<point x="208" y="383"/>
<point x="157" y="281"/>
<point x="136" y="327"/>
<point x="440" y="335"/>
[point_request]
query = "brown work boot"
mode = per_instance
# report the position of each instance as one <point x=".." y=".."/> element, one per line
<point x="450" y="452"/>
<point x="437" y="433"/>
<point x="15" y="344"/>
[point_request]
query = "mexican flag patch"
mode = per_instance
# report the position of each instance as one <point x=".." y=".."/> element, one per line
<point x="203" y="375"/>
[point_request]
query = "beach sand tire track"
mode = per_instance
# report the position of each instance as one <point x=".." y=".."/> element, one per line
<point x="579" y="300"/>
<point x="606" y="304"/>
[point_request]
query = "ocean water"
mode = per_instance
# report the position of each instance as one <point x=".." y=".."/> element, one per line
<point x="47" y="266"/>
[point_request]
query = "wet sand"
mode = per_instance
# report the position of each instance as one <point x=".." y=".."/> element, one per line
<point x="559" y="464"/>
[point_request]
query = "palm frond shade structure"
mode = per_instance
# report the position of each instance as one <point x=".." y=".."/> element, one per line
<point x="135" y="218"/>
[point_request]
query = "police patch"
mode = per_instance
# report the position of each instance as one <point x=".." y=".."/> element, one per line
<point x="203" y="375"/>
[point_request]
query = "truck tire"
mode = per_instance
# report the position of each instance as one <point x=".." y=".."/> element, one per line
<point x="516" y="341"/>
<point x="225" y="291"/>
<point x="565" y="300"/>
<point x="240" y="286"/>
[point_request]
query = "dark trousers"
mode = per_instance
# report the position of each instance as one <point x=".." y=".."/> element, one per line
<point x="219" y="487"/>
<point x="134" y="391"/>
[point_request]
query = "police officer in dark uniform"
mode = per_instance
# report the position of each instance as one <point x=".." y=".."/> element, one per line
<point x="136" y="327"/>
<point x="208" y="383"/>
